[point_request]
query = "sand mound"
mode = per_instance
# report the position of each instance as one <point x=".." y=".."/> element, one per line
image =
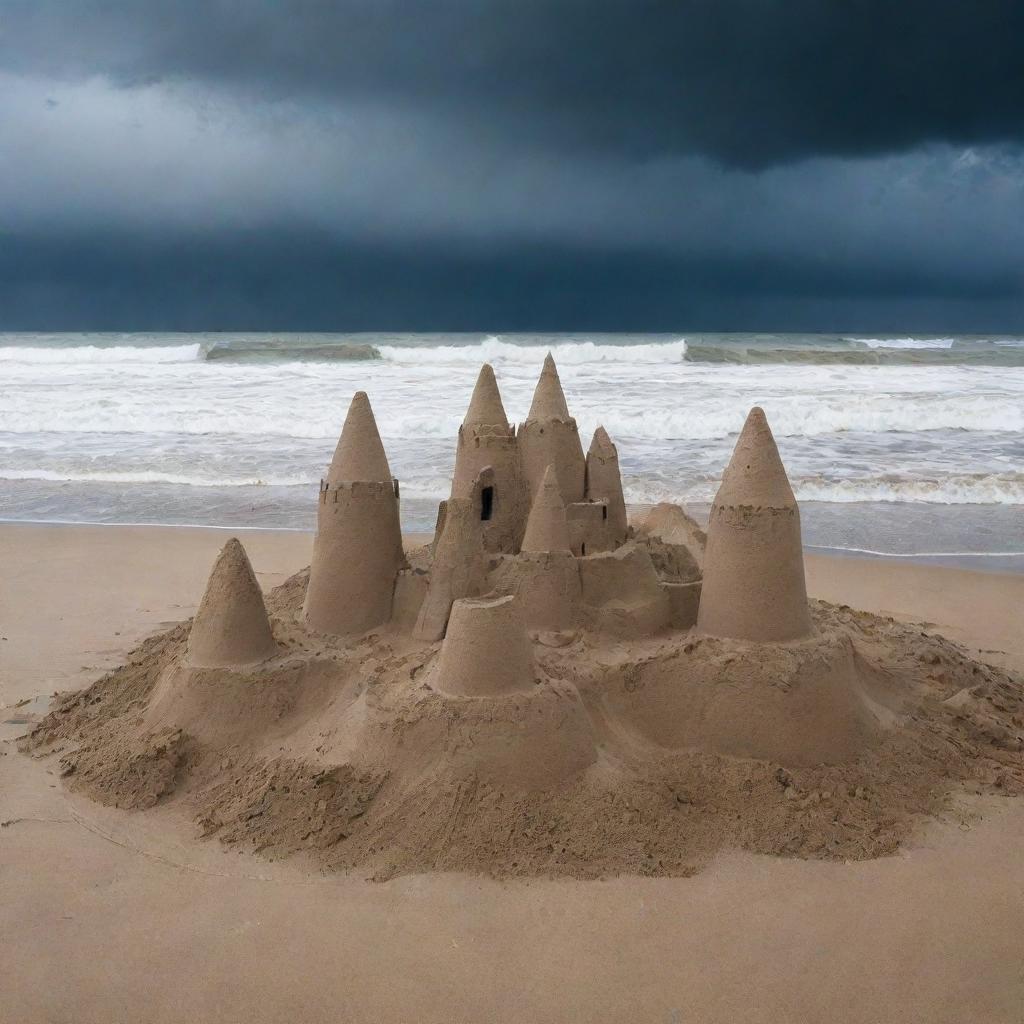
<point x="573" y="754"/>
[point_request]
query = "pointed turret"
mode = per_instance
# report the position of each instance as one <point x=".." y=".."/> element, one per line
<point x="358" y="547"/>
<point x="360" y="454"/>
<point x="547" y="528"/>
<point x="457" y="569"/>
<point x="486" y="652"/>
<point x="485" y="407"/>
<point x="755" y="474"/>
<point x="487" y="467"/>
<point x="549" y="437"/>
<point x="231" y="626"/>
<point x="604" y="483"/>
<point x="548" y="397"/>
<point x="754" y="587"/>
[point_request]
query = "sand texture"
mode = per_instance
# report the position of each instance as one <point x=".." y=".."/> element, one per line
<point x="112" y="915"/>
<point x="572" y="755"/>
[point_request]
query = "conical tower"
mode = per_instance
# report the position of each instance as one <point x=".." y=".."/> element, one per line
<point x="487" y="466"/>
<point x="549" y="437"/>
<point x="545" y="575"/>
<point x="604" y="483"/>
<point x="360" y="453"/>
<point x="754" y="586"/>
<point x="486" y="652"/>
<point x="358" y="547"/>
<point x="231" y="626"/>
<point x="547" y="528"/>
<point x="457" y="570"/>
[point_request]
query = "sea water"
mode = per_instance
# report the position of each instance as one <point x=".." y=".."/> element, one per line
<point x="906" y="446"/>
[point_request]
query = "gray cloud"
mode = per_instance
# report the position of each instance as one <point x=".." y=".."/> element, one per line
<point x="505" y="165"/>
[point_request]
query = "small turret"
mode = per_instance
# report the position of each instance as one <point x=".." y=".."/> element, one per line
<point x="486" y="652"/>
<point x="360" y="453"/>
<point x="485" y="407"/>
<point x="604" y="484"/>
<point x="547" y="528"/>
<point x="358" y="547"/>
<point x="544" y="575"/>
<point x="457" y="569"/>
<point x="231" y="626"/>
<point x="487" y="467"/>
<point x="754" y="586"/>
<point x="549" y="437"/>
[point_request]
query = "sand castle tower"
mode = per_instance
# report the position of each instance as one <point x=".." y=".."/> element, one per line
<point x="547" y="529"/>
<point x="604" y="484"/>
<point x="486" y="652"/>
<point x="487" y="464"/>
<point x="231" y="626"/>
<point x="545" y="574"/>
<point x="458" y="569"/>
<point x="754" y="586"/>
<point x="358" y="547"/>
<point x="549" y="437"/>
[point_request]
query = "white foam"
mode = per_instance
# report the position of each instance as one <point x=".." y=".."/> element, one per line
<point x="154" y="477"/>
<point x="99" y="354"/>
<point x="954" y="489"/>
<point x="574" y="353"/>
<point x="905" y="342"/>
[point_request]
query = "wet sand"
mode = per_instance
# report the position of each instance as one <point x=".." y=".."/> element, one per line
<point x="106" y="916"/>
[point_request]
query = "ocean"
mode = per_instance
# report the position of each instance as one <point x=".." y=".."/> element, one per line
<point x="899" y="446"/>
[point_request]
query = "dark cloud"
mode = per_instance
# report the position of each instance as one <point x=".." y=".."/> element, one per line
<point x="748" y="82"/>
<point x="281" y="280"/>
<point x="512" y="165"/>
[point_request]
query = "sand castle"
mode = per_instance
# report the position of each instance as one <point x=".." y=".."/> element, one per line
<point x="545" y="687"/>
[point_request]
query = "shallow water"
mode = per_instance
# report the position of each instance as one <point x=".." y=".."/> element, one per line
<point x="898" y="445"/>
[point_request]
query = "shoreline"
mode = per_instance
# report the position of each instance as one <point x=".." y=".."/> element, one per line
<point x="212" y="934"/>
<point x="1001" y="562"/>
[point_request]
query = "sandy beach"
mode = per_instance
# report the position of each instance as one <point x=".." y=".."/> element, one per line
<point x="109" y="916"/>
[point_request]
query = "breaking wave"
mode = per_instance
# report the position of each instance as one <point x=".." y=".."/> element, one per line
<point x="81" y="355"/>
<point x="956" y="489"/>
<point x="648" y="421"/>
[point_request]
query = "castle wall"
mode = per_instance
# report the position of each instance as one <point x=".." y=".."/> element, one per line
<point x="356" y="556"/>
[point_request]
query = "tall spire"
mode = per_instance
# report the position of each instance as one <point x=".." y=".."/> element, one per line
<point x="548" y="398"/>
<point x="357" y="552"/>
<point x="360" y="453"/>
<point x="485" y="408"/>
<point x="604" y="483"/>
<point x="549" y="437"/>
<point x="755" y="474"/>
<point x="231" y="626"/>
<point x="547" y="528"/>
<point x="754" y="587"/>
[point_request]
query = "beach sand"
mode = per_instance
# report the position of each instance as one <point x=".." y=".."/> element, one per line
<point x="106" y="916"/>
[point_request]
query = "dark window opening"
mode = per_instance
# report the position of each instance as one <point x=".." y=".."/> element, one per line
<point x="604" y="511"/>
<point x="583" y="548"/>
<point x="486" y="503"/>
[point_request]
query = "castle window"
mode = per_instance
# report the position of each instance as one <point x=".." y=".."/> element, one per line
<point x="486" y="503"/>
<point x="604" y="511"/>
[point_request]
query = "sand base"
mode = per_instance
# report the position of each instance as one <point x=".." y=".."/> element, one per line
<point x="197" y="931"/>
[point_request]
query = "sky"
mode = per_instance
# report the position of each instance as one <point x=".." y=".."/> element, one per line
<point x="512" y="165"/>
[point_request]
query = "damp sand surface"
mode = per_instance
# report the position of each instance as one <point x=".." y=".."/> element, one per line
<point x="197" y="931"/>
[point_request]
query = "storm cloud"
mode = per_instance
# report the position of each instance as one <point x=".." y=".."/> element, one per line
<point x="512" y="165"/>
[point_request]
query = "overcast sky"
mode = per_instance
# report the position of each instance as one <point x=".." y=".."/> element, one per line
<point x="847" y="165"/>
